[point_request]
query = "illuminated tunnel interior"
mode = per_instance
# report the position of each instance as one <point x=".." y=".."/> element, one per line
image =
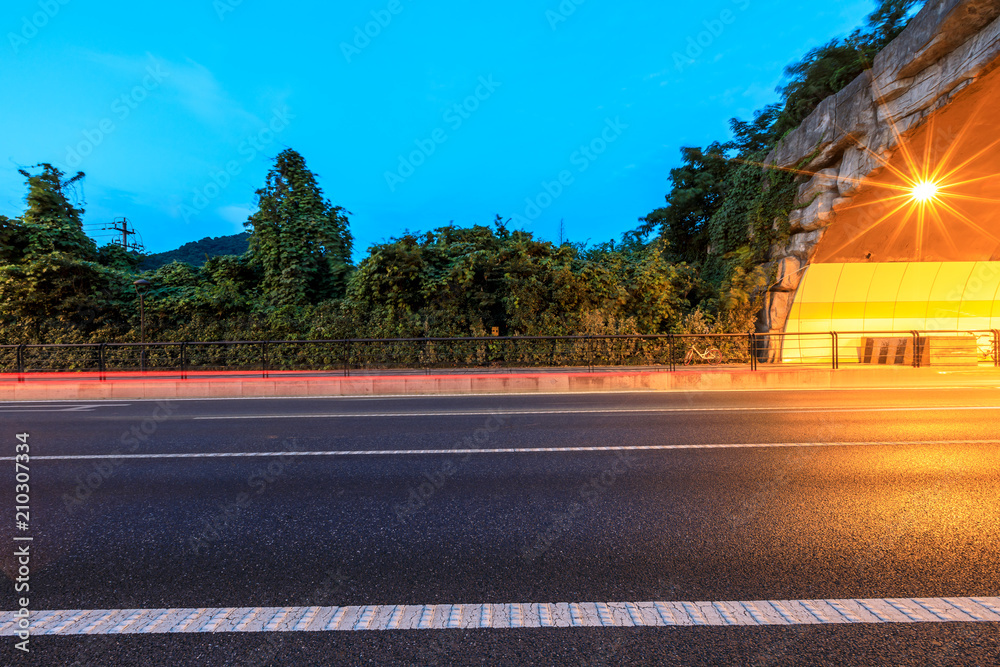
<point x="918" y="247"/>
<point x="890" y="297"/>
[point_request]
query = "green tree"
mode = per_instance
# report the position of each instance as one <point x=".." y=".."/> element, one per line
<point x="443" y="282"/>
<point x="454" y="281"/>
<point x="51" y="223"/>
<point x="49" y="276"/>
<point x="724" y="209"/>
<point x="695" y="195"/>
<point x="300" y="241"/>
<point x="117" y="257"/>
<point x="13" y="240"/>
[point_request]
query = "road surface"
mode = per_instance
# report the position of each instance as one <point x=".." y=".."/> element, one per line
<point x="539" y="511"/>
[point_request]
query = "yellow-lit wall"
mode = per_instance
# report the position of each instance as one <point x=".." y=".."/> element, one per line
<point x="875" y="298"/>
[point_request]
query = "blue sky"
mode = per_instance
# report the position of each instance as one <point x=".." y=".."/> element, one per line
<point x="540" y="110"/>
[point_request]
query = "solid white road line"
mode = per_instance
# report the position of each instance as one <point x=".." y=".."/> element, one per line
<point x="522" y="615"/>
<point x="596" y="411"/>
<point x="498" y="450"/>
<point x="25" y="408"/>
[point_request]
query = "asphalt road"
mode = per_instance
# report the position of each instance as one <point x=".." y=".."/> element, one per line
<point x="789" y="496"/>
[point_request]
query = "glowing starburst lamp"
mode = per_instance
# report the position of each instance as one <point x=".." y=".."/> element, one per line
<point x="925" y="191"/>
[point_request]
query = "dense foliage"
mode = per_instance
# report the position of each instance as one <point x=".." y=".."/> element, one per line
<point x="52" y="276"/>
<point x="467" y="281"/>
<point x="300" y="241"/>
<point x="294" y="282"/>
<point x="693" y="265"/>
<point x="724" y="211"/>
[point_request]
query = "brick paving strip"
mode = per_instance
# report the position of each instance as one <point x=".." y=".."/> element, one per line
<point x="517" y="615"/>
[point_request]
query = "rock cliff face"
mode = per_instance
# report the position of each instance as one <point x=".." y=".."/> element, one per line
<point x="946" y="48"/>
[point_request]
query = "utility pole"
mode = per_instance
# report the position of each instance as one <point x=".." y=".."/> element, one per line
<point x="121" y="226"/>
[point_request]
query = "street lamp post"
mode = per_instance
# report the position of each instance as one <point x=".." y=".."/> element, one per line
<point x="140" y="288"/>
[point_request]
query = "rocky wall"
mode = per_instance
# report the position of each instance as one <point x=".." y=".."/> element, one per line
<point x="945" y="48"/>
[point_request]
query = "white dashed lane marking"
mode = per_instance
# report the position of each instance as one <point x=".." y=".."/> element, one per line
<point x="518" y="615"/>
<point x="498" y="450"/>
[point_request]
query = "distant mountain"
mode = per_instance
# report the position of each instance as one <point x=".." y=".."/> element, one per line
<point x="196" y="252"/>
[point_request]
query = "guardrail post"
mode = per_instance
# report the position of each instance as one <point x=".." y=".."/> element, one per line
<point x="263" y="359"/>
<point x="20" y="362"/>
<point x="184" y="360"/>
<point x="917" y="352"/>
<point x="347" y="358"/>
<point x="590" y="353"/>
<point x="835" y="350"/>
<point x="996" y="348"/>
<point x="753" y="351"/>
<point x="100" y="361"/>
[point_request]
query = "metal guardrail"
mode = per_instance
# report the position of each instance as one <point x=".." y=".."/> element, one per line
<point x="661" y="352"/>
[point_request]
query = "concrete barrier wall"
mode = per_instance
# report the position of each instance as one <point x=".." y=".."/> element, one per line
<point x="794" y="379"/>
